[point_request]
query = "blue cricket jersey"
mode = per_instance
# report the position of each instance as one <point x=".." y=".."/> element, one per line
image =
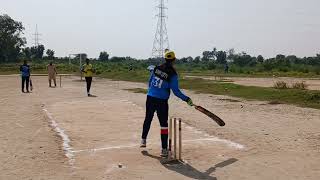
<point x="25" y="70"/>
<point x="162" y="79"/>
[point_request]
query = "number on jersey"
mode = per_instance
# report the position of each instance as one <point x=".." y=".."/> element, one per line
<point x="157" y="82"/>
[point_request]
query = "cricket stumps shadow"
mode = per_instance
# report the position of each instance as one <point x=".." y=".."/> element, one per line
<point x="187" y="170"/>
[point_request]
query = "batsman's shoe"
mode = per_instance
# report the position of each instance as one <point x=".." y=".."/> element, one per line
<point x="164" y="153"/>
<point x="143" y="143"/>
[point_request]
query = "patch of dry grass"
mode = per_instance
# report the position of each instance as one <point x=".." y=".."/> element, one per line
<point x="281" y="85"/>
<point x="300" y="85"/>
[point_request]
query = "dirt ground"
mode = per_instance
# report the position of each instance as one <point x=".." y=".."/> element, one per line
<point x="312" y="83"/>
<point x="59" y="133"/>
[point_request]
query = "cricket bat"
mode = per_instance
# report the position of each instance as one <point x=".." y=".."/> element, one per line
<point x="31" y="86"/>
<point x="214" y="117"/>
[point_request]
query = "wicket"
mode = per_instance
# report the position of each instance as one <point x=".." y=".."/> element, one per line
<point x="173" y="131"/>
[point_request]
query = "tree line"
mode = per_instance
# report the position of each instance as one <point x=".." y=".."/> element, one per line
<point x="12" y="44"/>
<point x="12" y="49"/>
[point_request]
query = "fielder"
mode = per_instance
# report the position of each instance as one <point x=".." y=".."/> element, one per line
<point x="162" y="79"/>
<point x="52" y="72"/>
<point x="25" y="76"/>
<point x="88" y="71"/>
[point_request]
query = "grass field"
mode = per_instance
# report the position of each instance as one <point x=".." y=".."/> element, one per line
<point x="303" y="98"/>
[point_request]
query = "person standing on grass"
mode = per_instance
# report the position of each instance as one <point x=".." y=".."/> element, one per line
<point x="226" y="68"/>
<point x="88" y="71"/>
<point x="25" y="75"/>
<point x="52" y="72"/>
<point x="162" y="79"/>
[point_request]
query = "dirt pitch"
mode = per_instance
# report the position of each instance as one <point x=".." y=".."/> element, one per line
<point x="59" y="133"/>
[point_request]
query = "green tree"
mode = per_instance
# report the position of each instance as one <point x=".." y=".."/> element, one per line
<point x="118" y="59"/>
<point x="293" y="59"/>
<point x="209" y="55"/>
<point x="26" y="53"/>
<point x="260" y="59"/>
<point x="10" y="38"/>
<point x="221" y="57"/>
<point x="104" y="56"/>
<point x="197" y="59"/>
<point x="280" y="57"/>
<point x="183" y="60"/>
<point x="206" y="55"/>
<point x="50" y="53"/>
<point x="37" y="51"/>
<point x="243" y="59"/>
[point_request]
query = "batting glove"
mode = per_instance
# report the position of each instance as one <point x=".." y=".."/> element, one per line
<point x="190" y="103"/>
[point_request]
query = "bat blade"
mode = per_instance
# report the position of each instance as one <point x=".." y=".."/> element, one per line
<point x="31" y="86"/>
<point x="214" y="117"/>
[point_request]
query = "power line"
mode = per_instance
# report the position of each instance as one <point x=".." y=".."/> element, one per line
<point x="36" y="37"/>
<point x="161" y="39"/>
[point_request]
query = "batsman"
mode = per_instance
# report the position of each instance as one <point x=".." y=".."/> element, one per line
<point x="163" y="78"/>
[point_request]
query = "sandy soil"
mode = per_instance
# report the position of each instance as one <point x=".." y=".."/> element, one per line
<point x="313" y="83"/>
<point x="59" y="133"/>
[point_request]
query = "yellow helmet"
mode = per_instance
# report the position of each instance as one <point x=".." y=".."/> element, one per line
<point x="170" y="55"/>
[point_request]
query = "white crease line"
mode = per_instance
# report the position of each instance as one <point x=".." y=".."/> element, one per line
<point x="18" y="124"/>
<point x="208" y="136"/>
<point x="66" y="141"/>
<point x="106" y="148"/>
<point x="213" y="138"/>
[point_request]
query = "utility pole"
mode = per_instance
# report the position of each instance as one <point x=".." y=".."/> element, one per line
<point x="36" y="37"/>
<point x="161" y="39"/>
<point x="81" y="57"/>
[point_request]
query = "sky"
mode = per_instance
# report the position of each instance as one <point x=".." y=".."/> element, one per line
<point x="127" y="27"/>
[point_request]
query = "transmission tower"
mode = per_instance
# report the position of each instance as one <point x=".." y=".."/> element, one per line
<point x="36" y="37"/>
<point x="161" y="39"/>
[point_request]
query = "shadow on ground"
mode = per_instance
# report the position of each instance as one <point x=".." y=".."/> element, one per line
<point x="93" y="96"/>
<point x="189" y="171"/>
<point x="79" y="80"/>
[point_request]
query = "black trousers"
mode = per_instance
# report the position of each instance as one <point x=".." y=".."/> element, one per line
<point x="161" y="107"/>
<point x="89" y="81"/>
<point x="25" y="80"/>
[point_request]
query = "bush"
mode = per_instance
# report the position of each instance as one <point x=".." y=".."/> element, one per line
<point x="300" y="85"/>
<point x="98" y="72"/>
<point x="212" y="66"/>
<point x="280" y="85"/>
<point x="317" y="70"/>
<point x="305" y="70"/>
<point x="283" y="69"/>
<point x="314" y="97"/>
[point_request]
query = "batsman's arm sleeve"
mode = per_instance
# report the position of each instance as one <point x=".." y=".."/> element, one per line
<point x="174" y="85"/>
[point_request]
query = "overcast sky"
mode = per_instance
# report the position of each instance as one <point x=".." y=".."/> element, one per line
<point x="127" y="27"/>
